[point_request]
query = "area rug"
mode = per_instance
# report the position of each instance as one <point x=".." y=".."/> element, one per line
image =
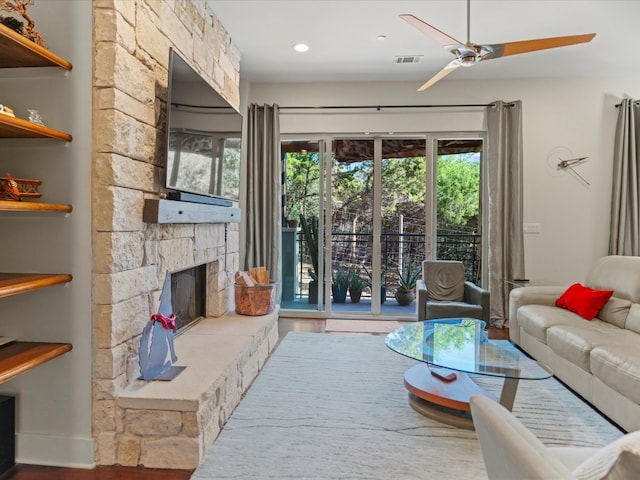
<point x="334" y="407"/>
<point x="360" y="326"/>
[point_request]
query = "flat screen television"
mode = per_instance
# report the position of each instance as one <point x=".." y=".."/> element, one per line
<point x="203" y="139"/>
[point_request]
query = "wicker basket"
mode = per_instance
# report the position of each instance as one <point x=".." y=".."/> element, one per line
<point x="257" y="300"/>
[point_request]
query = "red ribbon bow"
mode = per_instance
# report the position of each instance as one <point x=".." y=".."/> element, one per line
<point x="168" y="323"/>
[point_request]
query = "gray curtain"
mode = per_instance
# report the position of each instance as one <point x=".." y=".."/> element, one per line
<point x="263" y="193"/>
<point x="504" y="181"/>
<point x="625" y="202"/>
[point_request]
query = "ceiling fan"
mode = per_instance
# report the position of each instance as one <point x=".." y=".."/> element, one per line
<point x="468" y="54"/>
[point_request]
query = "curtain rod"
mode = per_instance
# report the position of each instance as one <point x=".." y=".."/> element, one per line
<point x="205" y="107"/>
<point x="635" y="103"/>
<point x="379" y="107"/>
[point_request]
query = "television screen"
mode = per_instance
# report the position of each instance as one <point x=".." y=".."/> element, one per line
<point x="203" y="136"/>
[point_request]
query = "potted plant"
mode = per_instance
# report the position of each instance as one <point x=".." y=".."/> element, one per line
<point x="340" y="284"/>
<point x="407" y="278"/>
<point x="356" y="285"/>
<point x="293" y="213"/>
<point x="310" y="232"/>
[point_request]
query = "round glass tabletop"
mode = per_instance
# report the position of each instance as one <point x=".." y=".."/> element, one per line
<point x="462" y="344"/>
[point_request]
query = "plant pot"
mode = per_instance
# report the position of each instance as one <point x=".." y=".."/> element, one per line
<point x="405" y="297"/>
<point x="355" y="295"/>
<point x="313" y="292"/>
<point x="292" y="223"/>
<point x="339" y="294"/>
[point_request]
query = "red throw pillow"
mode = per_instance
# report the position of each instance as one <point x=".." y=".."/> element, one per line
<point x="584" y="301"/>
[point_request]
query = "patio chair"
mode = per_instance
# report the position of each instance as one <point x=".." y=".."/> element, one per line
<point x="443" y="293"/>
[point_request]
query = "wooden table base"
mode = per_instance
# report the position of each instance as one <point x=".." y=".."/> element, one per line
<point x="446" y="402"/>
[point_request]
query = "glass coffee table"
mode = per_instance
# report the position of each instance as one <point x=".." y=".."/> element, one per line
<point x="447" y="350"/>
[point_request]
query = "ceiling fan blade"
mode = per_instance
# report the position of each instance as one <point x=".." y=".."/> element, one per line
<point x="524" y="46"/>
<point x="438" y="35"/>
<point x="440" y="75"/>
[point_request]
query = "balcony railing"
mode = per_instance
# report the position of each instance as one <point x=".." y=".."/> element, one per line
<point x="353" y="251"/>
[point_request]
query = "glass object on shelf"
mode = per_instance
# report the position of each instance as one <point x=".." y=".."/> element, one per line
<point x="35" y="117"/>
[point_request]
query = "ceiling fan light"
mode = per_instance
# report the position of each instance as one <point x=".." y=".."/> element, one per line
<point x="467" y="60"/>
<point x="468" y="55"/>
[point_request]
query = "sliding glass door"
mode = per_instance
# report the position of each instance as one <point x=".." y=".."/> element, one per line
<point x="303" y="237"/>
<point x="352" y="219"/>
<point x="363" y="212"/>
<point x="456" y="199"/>
<point x="378" y="223"/>
<point x="404" y="172"/>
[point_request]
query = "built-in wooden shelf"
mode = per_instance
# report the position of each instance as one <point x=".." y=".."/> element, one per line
<point x="172" y="211"/>
<point x="13" y="206"/>
<point x="16" y="51"/>
<point x="12" y="127"/>
<point x="17" y="283"/>
<point x="19" y="357"/>
<point x="19" y="51"/>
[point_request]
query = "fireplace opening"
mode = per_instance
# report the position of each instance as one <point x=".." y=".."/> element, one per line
<point x="188" y="295"/>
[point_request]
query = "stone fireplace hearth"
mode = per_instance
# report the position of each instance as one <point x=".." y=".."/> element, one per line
<point x="126" y="300"/>
<point x="171" y="424"/>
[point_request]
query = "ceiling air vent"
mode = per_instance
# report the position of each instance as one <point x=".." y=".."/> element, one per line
<point x="408" y="59"/>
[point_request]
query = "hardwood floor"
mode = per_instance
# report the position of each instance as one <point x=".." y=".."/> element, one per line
<point x="33" y="472"/>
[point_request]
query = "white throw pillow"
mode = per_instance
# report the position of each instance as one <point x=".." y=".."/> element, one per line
<point x="620" y="460"/>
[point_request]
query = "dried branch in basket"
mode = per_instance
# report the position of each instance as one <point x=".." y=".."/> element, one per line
<point x="20" y="7"/>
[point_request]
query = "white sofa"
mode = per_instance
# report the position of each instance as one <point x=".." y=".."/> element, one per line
<point x="599" y="359"/>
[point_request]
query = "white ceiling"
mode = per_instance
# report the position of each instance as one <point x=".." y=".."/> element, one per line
<point x="343" y="45"/>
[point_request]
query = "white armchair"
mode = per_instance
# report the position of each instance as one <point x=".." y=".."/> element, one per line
<point x="511" y="451"/>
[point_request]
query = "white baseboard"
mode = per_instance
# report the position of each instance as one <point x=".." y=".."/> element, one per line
<point x="55" y="450"/>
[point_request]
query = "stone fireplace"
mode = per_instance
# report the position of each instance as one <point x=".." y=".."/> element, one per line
<point x="136" y="423"/>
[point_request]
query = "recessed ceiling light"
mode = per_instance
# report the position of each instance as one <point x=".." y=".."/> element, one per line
<point x="300" y="47"/>
<point x="382" y="38"/>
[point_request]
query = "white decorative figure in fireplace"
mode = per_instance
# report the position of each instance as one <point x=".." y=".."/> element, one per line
<point x="157" y="354"/>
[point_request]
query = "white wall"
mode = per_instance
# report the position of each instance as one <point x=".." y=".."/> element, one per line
<point x="53" y="401"/>
<point x="576" y="114"/>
